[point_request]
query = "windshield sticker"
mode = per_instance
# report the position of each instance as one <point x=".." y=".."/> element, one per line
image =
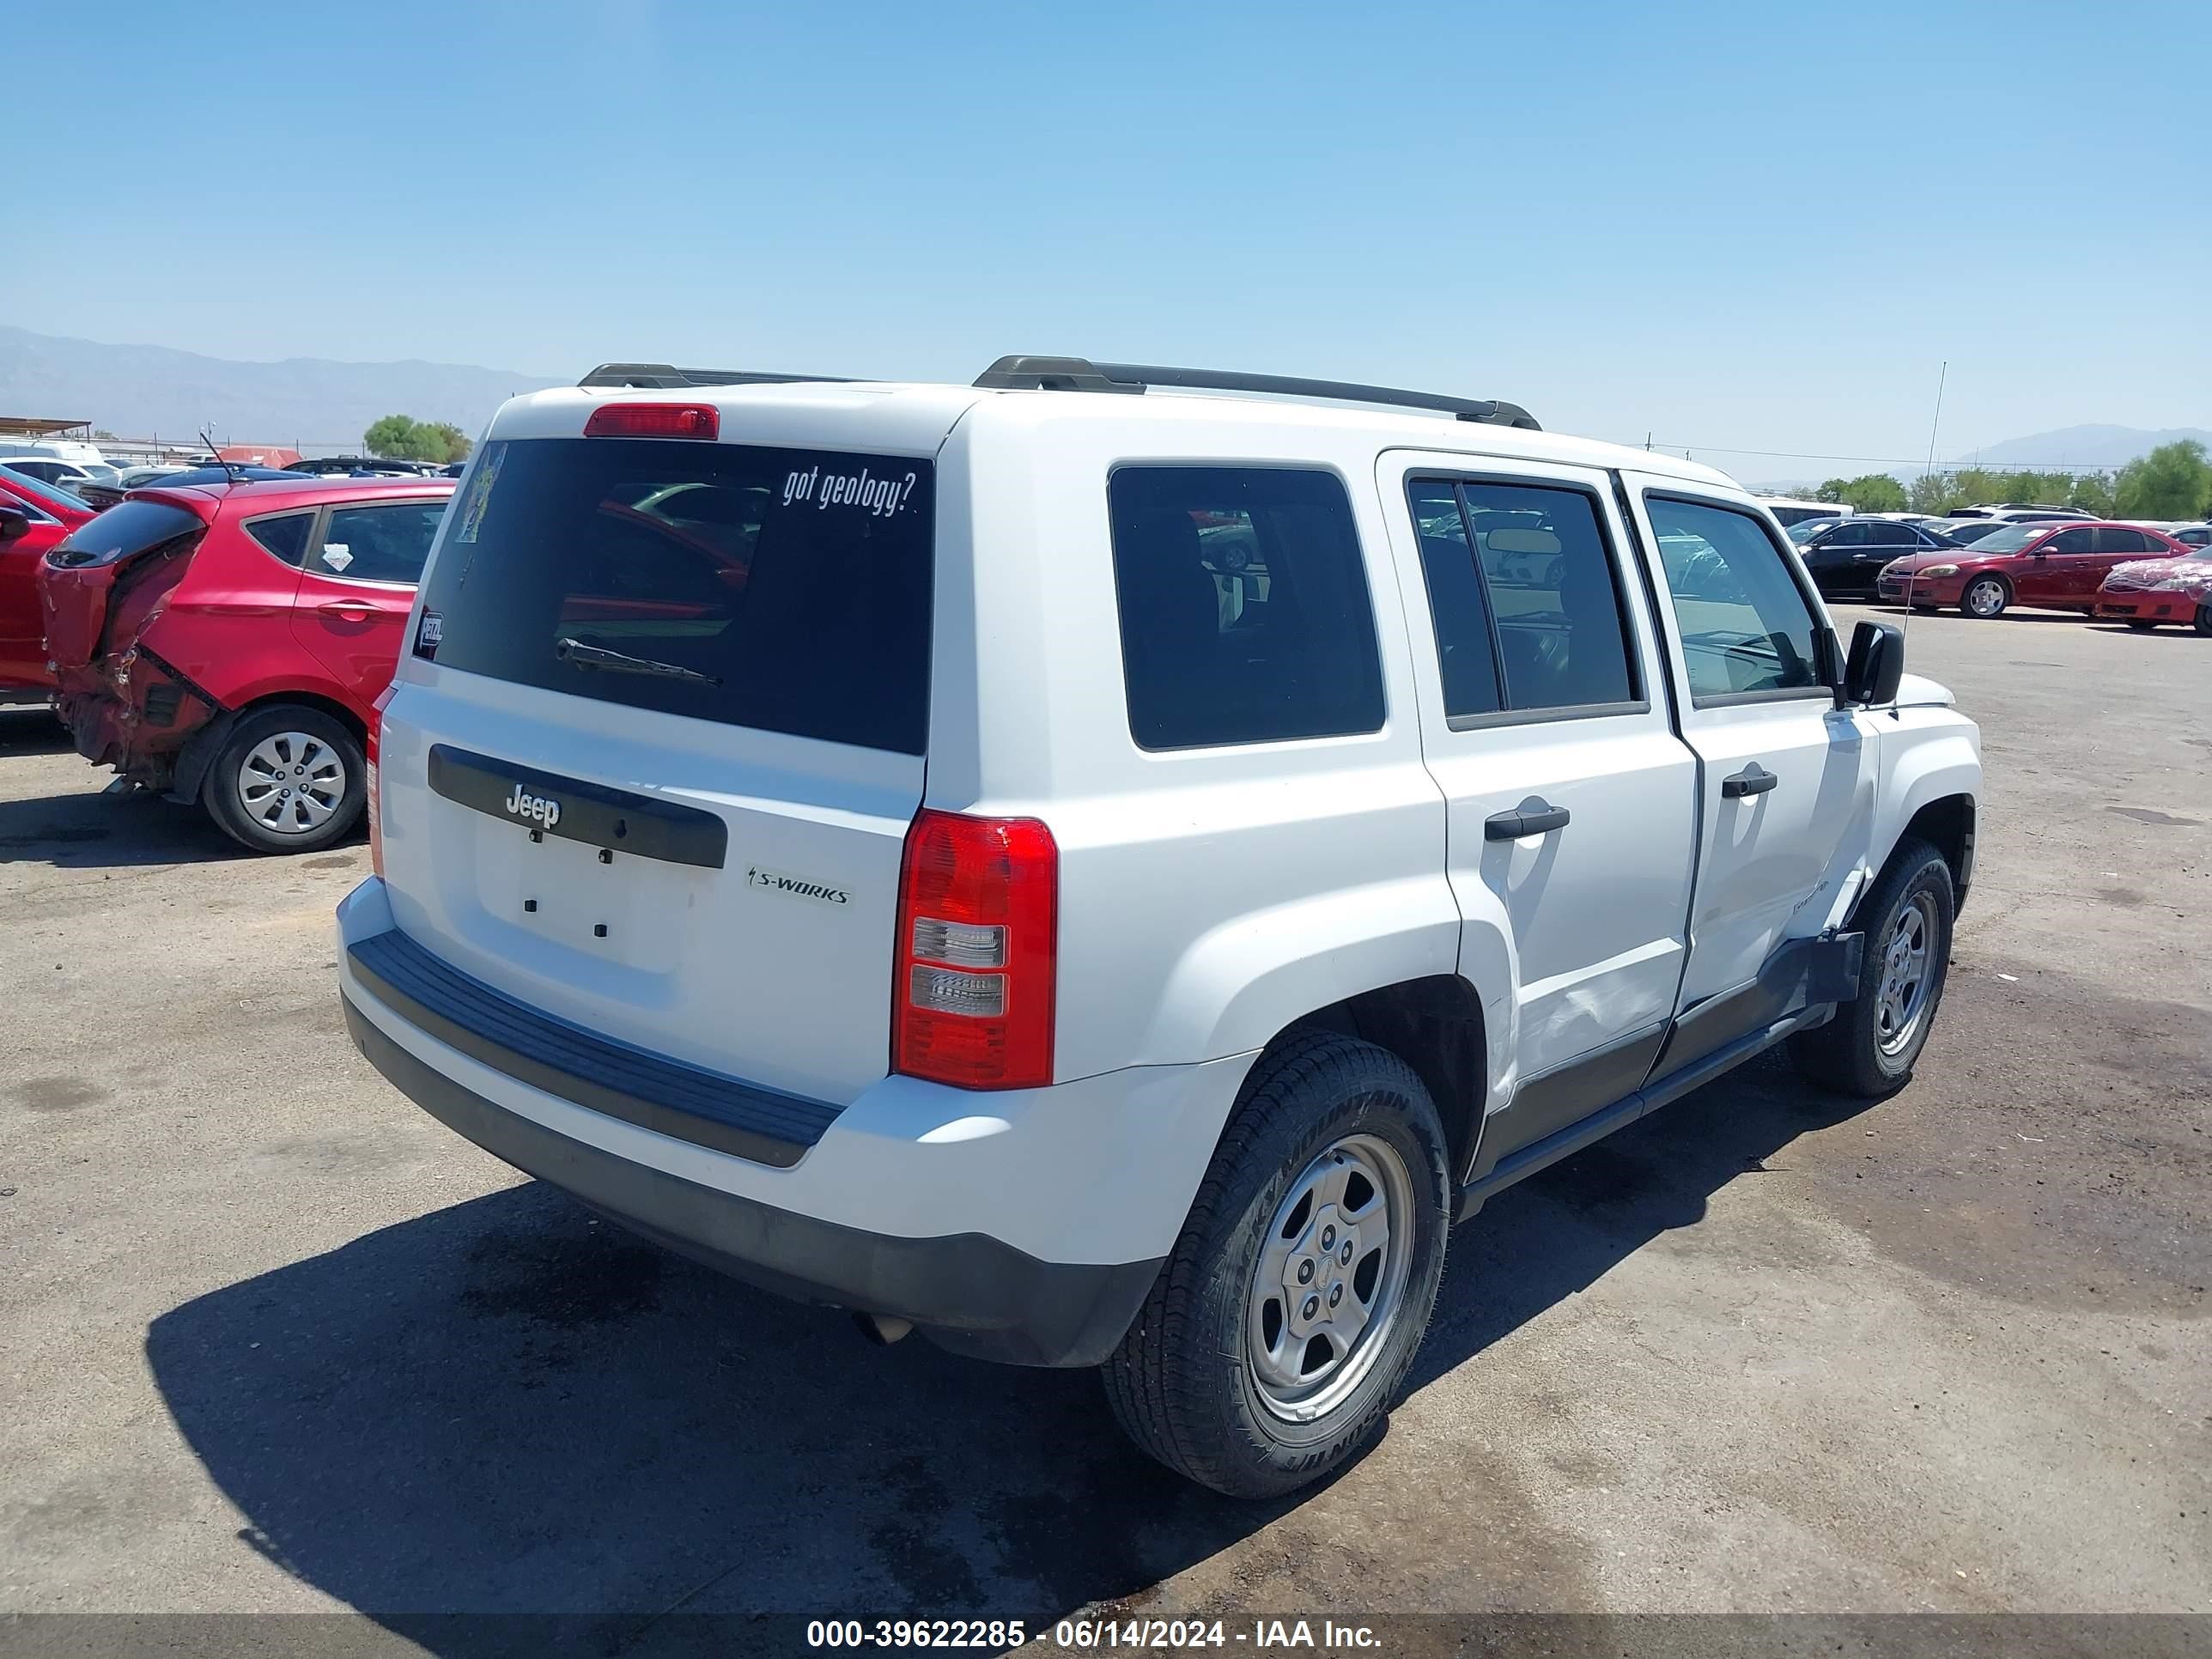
<point x="883" y="498"/>
<point x="479" y="496"/>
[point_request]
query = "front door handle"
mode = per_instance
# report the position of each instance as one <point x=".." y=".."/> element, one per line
<point x="1753" y="780"/>
<point x="351" y="609"/>
<point x="1537" y="817"/>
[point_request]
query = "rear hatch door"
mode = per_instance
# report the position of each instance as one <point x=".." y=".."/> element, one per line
<point x="653" y="760"/>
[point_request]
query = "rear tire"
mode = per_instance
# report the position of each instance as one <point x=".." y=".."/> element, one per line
<point x="1233" y="1374"/>
<point x="1869" y="1048"/>
<point x="1986" y="598"/>
<point x="288" y="779"/>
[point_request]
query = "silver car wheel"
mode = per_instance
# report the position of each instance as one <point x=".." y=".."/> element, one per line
<point x="1985" y="598"/>
<point x="1902" y="1002"/>
<point x="291" y="783"/>
<point x="1331" y="1278"/>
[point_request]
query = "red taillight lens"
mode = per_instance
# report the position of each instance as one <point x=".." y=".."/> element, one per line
<point x="373" y="784"/>
<point x="978" y="934"/>
<point x="654" y="421"/>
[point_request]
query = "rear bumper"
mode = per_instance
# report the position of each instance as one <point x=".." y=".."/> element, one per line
<point x="135" y="714"/>
<point x="968" y="1292"/>
<point x="1025" y="1226"/>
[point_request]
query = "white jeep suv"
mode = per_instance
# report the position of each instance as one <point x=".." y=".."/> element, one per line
<point x="1106" y="876"/>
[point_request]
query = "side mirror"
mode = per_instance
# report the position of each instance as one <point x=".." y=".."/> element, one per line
<point x="13" y="524"/>
<point x="1876" y="664"/>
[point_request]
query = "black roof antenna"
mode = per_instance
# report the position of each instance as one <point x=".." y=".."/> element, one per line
<point x="229" y="476"/>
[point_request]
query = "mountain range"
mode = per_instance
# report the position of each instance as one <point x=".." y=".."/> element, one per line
<point x="304" y="402"/>
<point x="2080" y="448"/>
<point x="319" y="405"/>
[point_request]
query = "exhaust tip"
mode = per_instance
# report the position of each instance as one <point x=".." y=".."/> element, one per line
<point x="881" y="1329"/>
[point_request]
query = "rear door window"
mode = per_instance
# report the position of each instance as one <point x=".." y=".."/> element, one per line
<point x="285" y="536"/>
<point x="1466" y="644"/>
<point x="1243" y="605"/>
<point x="1548" y="576"/>
<point x="388" y="542"/>
<point x="783" y="589"/>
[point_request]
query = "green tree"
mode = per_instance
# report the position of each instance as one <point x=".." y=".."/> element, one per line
<point x="2092" y="493"/>
<point x="455" y="442"/>
<point x="1872" y="492"/>
<point x="1934" y="492"/>
<point x="1976" y="487"/>
<point x="2174" y="481"/>
<point x="402" y="438"/>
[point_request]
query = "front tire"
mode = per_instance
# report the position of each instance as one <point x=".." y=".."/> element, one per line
<point x="1285" y="1320"/>
<point x="1869" y="1048"/>
<point x="2204" y="619"/>
<point x="288" y="779"/>
<point x="1985" y="597"/>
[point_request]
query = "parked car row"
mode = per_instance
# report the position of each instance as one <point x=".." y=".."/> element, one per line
<point x="2142" y="576"/>
<point x="221" y="639"/>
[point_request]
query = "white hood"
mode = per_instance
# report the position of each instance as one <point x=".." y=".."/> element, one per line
<point x="1919" y="691"/>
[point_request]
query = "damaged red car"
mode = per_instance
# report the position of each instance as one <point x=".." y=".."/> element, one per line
<point x="2153" y="591"/>
<point x="34" y="518"/>
<point x="226" y="644"/>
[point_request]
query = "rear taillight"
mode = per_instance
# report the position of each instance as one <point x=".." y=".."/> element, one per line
<point x="972" y="999"/>
<point x="654" y="421"/>
<point x="372" y="783"/>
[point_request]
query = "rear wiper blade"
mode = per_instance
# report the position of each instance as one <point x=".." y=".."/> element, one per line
<point x="596" y="656"/>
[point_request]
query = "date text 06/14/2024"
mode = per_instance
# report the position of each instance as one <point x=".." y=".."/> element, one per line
<point x="1261" y="1635"/>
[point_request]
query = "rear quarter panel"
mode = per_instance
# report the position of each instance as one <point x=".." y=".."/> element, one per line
<point x="1210" y="896"/>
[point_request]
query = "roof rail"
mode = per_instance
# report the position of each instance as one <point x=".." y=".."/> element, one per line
<point x="663" y="377"/>
<point x="1080" y="374"/>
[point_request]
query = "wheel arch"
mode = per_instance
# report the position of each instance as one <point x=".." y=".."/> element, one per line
<point x="1435" y="1024"/>
<point x="197" y="755"/>
<point x="1945" y="821"/>
<point x="1999" y="577"/>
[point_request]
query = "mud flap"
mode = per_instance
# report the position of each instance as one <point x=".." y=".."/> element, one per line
<point x="1832" y="973"/>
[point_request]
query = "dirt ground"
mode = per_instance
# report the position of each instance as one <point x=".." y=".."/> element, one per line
<point x="275" y="1340"/>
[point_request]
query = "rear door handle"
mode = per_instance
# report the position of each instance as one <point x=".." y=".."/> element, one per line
<point x="1539" y="817"/>
<point x="353" y="610"/>
<point x="1753" y="780"/>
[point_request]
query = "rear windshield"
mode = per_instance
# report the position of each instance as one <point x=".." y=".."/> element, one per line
<point x="785" y="589"/>
<point x="123" y="532"/>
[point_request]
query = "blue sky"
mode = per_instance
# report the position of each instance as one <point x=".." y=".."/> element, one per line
<point x="1737" y="228"/>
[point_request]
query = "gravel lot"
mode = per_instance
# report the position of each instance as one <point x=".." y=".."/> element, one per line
<point x="275" y="1341"/>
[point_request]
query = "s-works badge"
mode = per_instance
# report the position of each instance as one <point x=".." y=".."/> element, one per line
<point x="796" y="887"/>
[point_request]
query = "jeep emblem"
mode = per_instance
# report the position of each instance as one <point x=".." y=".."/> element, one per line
<point x="538" y="809"/>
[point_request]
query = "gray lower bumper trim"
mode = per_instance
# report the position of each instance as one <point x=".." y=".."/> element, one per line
<point x="968" y="1292"/>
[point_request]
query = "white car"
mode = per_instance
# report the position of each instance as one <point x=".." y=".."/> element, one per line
<point x="1107" y="879"/>
<point x="63" y="475"/>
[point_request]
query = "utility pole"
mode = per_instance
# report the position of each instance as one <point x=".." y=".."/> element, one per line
<point x="1941" y="375"/>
